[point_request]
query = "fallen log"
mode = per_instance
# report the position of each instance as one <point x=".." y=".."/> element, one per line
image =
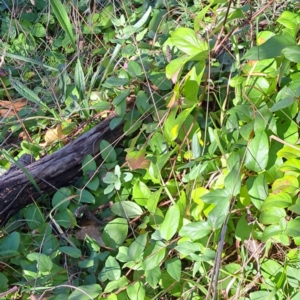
<point x="51" y="172"/>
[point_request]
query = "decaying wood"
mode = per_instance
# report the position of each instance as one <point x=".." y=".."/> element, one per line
<point x="52" y="172"/>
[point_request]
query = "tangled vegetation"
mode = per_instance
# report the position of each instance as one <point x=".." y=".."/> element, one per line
<point x="200" y="197"/>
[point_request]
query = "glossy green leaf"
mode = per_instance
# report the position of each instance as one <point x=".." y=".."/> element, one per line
<point x="154" y="255"/>
<point x="257" y="189"/>
<point x="288" y="184"/>
<point x="134" y="69"/>
<point x="186" y="248"/>
<point x="232" y="181"/>
<point x="173" y="124"/>
<point x="10" y="244"/>
<point x="160" y="80"/>
<point x="115" y="233"/>
<point x="107" y="151"/>
<point x="117" y="284"/>
<point x="65" y="218"/>
<point x="59" y="197"/>
<point x="137" y="248"/>
<point x="136" y="291"/>
<point x="272" y="215"/>
<point x="171" y="222"/>
<point x="292" y="53"/>
<point x="141" y="193"/>
<point x="293" y="228"/>
<point x="71" y="251"/>
<point x="86" y="292"/>
<point x="271" y="232"/>
<point x="112" y="269"/>
<point x="188" y="42"/>
<point x="173" y="267"/>
<point x="291" y="165"/>
<point x="195" y="230"/>
<point x="271" y="48"/>
<point x="84" y="196"/>
<point x="257" y="153"/>
<point x="278" y="199"/>
<point x="126" y="209"/>
<point x="153" y="200"/>
<point x="33" y="216"/>
<point x="44" y="263"/>
<point x="218" y="214"/>
<point x="153" y="276"/>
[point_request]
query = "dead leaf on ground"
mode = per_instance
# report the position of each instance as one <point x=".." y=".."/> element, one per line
<point x="92" y="231"/>
<point x="52" y="135"/>
<point x="6" y="107"/>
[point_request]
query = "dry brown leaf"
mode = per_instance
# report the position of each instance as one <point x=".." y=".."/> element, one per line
<point x="52" y="135"/>
<point x="92" y="231"/>
<point x="6" y="107"/>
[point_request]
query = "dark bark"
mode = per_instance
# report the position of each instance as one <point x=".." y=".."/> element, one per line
<point x="51" y="172"/>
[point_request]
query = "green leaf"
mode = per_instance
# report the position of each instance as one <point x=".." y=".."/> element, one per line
<point x="173" y="267"/>
<point x="58" y="200"/>
<point x="134" y="69"/>
<point x="86" y="292"/>
<point x="218" y="214"/>
<point x="3" y="283"/>
<point x="71" y="251"/>
<point x="65" y="218"/>
<point x="153" y="200"/>
<point x="292" y="53"/>
<point x="272" y="215"/>
<point x="62" y="17"/>
<point x="172" y="124"/>
<point x="195" y="230"/>
<point x="153" y="276"/>
<point x="258" y="152"/>
<point x="160" y="80"/>
<point x="33" y="216"/>
<point x="10" y="244"/>
<point x="107" y="151"/>
<point x="24" y="91"/>
<point x="85" y="196"/>
<point x="288" y="184"/>
<point x="116" y="285"/>
<point x="136" y="291"/>
<point x="271" y="232"/>
<point x="171" y="222"/>
<point x="38" y="30"/>
<point x="112" y="269"/>
<point x="278" y="199"/>
<point x="154" y="255"/>
<point x="44" y="263"/>
<point x="136" y="248"/>
<point x="114" y="81"/>
<point x="115" y="232"/>
<point x="79" y="79"/>
<point x="141" y="193"/>
<point x="293" y="228"/>
<point x="257" y="189"/>
<point x="188" y="42"/>
<point x="186" y="248"/>
<point x="232" y="181"/>
<point x="271" y="48"/>
<point x="126" y="209"/>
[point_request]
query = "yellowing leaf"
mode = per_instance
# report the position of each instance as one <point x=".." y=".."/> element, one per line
<point x="198" y="193"/>
<point x="53" y="135"/>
